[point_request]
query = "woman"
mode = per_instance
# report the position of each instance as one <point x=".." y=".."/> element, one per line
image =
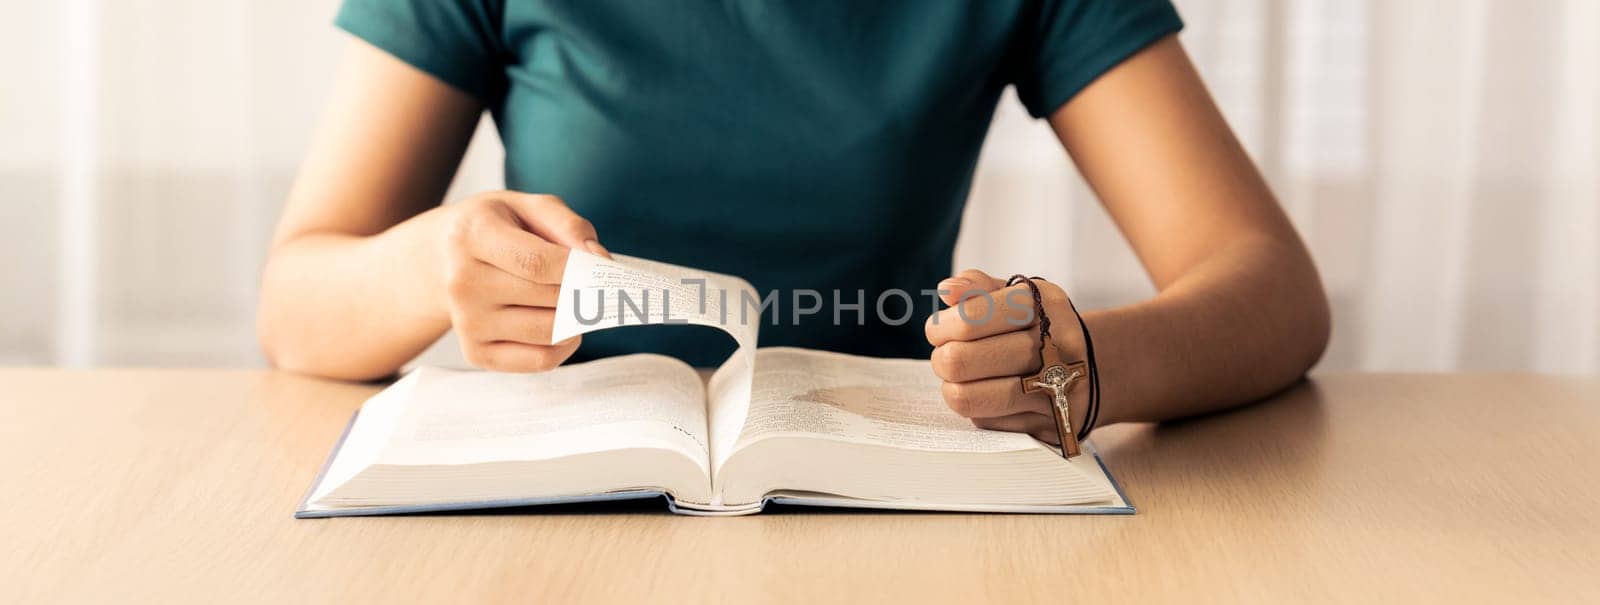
<point x="801" y="145"/>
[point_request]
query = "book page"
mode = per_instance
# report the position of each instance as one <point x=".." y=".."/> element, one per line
<point x="890" y="402"/>
<point x="464" y="417"/>
<point x="599" y="293"/>
<point x="368" y="435"/>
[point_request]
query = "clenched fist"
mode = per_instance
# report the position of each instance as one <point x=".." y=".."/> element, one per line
<point x="504" y="254"/>
<point x="987" y="338"/>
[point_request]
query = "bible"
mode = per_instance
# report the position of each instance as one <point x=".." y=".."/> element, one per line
<point x="772" y="425"/>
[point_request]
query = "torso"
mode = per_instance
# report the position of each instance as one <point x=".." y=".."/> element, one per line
<point x="800" y="145"/>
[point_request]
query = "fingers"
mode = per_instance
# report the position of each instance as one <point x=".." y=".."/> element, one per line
<point x="967" y="283"/>
<point x="549" y="217"/>
<point x="518" y="357"/>
<point x="982" y="344"/>
<point x="527" y="325"/>
<point x="490" y="232"/>
<point x="993" y="398"/>
<point x="479" y="285"/>
<point x="507" y="255"/>
<point x="510" y="337"/>
<point x="523" y="234"/>
<point x="1009" y="354"/>
<point x="1039" y="426"/>
<point x="983" y="315"/>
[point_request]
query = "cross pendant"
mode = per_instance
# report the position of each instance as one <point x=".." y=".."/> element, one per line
<point x="1057" y="378"/>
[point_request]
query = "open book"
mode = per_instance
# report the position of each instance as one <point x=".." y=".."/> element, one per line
<point x="782" y="425"/>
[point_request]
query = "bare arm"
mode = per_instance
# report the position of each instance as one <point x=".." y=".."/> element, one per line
<point x="1240" y="311"/>
<point x="366" y="269"/>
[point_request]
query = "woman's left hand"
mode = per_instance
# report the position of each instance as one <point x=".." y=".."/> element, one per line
<point x="987" y="338"/>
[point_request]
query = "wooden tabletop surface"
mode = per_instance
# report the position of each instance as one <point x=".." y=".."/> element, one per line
<point x="178" y="486"/>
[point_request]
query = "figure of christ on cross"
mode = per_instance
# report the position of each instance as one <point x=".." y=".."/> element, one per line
<point x="1058" y="378"/>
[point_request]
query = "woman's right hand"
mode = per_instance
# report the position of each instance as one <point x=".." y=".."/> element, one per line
<point x="505" y="253"/>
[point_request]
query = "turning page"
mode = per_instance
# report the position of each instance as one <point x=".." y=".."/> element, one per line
<point x="599" y="293"/>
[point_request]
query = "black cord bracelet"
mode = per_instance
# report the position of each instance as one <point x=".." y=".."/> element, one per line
<point x="1092" y="414"/>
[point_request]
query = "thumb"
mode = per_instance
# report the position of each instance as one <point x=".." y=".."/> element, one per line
<point x="549" y="217"/>
<point x="970" y="282"/>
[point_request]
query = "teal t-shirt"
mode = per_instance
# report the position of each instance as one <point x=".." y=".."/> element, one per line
<point x="818" y="145"/>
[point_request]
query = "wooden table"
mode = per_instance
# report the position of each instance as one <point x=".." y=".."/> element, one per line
<point x="178" y="486"/>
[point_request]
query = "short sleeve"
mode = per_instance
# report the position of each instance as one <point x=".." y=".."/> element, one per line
<point x="1074" y="42"/>
<point x="456" y="41"/>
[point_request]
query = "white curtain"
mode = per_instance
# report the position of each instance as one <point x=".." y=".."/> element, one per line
<point x="1441" y="157"/>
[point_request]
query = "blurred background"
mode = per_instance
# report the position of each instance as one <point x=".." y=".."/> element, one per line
<point x="1441" y="157"/>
